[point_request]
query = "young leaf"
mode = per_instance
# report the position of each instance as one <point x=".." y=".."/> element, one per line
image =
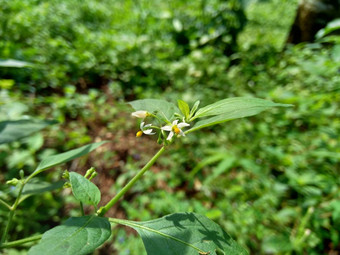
<point x="237" y="106"/>
<point x="194" y="108"/>
<point x="184" y="107"/>
<point x="54" y="160"/>
<point x="78" y="235"/>
<point x="162" y="108"/>
<point x="184" y="234"/>
<point x="13" y="130"/>
<point x="84" y="190"/>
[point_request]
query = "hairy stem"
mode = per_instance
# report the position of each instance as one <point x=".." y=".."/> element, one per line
<point x="128" y="186"/>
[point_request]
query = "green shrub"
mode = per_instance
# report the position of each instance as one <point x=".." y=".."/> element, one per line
<point x="132" y="43"/>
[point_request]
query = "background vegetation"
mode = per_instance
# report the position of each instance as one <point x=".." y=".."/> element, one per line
<point x="272" y="181"/>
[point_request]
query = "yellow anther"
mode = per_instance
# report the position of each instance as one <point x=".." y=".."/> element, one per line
<point x="139" y="133"/>
<point x="176" y="129"/>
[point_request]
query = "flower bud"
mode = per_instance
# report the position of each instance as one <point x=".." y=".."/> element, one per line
<point x="66" y="175"/>
<point x="67" y="185"/>
<point x="94" y="174"/>
<point x="13" y="182"/>
<point x="22" y="174"/>
<point x="140" y="114"/>
<point x="89" y="172"/>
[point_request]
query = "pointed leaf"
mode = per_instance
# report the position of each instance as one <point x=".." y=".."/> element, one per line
<point x="162" y="108"/>
<point x="184" y="234"/>
<point x="84" y="190"/>
<point x="232" y="108"/>
<point x="13" y="130"/>
<point x="78" y="235"/>
<point x="54" y="160"/>
<point x="237" y="106"/>
<point x="194" y="108"/>
<point x="184" y="107"/>
<point x="37" y="187"/>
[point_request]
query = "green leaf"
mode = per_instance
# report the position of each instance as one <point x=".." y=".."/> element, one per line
<point x="194" y="108"/>
<point x="278" y="244"/>
<point x="329" y="28"/>
<point x="54" y="160"/>
<point x="231" y="108"/>
<point x="78" y="235"/>
<point x="162" y="108"/>
<point x="184" y="107"/>
<point x="222" y="167"/>
<point x="237" y="106"/>
<point x="84" y="190"/>
<point x="184" y="234"/>
<point x="206" y="161"/>
<point x="38" y="187"/>
<point x="13" y="130"/>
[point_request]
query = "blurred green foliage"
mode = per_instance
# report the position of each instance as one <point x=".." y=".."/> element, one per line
<point x="131" y="42"/>
<point x="272" y="181"/>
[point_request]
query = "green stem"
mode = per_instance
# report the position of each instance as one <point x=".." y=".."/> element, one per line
<point x="20" y="242"/>
<point x="5" y="204"/>
<point x="128" y="186"/>
<point x="11" y="214"/>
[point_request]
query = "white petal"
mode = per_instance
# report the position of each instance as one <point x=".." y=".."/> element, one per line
<point x="170" y="135"/>
<point x="183" y="124"/>
<point x="148" y="125"/>
<point x="174" y="122"/>
<point x="148" y="132"/>
<point x="182" y="134"/>
<point x="167" y="128"/>
<point x="141" y="125"/>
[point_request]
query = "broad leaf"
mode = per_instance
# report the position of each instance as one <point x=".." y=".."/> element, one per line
<point x="184" y="234"/>
<point x="232" y="108"/>
<point x="184" y="107"/>
<point x="54" y="160"/>
<point x="159" y="107"/>
<point x="78" y="235"/>
<point x="84" y="190"/>
<point x="242" y="106"/>
<point x="13" y="130"/>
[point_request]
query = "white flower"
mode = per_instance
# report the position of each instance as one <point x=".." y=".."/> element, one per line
<point x="175" y="128"/>
<point x="140" y="114"/>
<point x="144" y="129"/>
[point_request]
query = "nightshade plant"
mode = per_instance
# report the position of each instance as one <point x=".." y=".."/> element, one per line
<point x="178" y="233"/>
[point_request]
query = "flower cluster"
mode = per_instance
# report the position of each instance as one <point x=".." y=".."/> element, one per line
<point x="174" y="128"/>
